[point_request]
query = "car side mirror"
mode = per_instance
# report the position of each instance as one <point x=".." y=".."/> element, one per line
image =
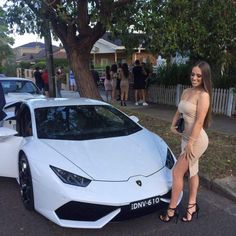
<point x="134" y="118"/>
<point x="6" y="132"/>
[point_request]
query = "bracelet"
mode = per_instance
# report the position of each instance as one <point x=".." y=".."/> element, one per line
<point x="194" y="139"/>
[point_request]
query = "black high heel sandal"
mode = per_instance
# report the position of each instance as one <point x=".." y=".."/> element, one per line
<point x="185" y="218"/>
<point x="167" y="218"/>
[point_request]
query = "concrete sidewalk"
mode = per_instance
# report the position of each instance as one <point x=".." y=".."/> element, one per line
<point x="220" y="123"/>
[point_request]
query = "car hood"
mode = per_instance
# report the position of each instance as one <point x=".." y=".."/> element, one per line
<point x="114" y="159"/>
<point x="13" y="97"/>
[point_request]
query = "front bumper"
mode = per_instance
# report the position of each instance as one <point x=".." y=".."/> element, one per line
<point x="101" y="202"/>
<point x="80" y="211"/>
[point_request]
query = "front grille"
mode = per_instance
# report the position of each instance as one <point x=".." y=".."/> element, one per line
<point x="80" y="211"/>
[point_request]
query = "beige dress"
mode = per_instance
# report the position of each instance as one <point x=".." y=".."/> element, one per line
<point x="189" y="111"/>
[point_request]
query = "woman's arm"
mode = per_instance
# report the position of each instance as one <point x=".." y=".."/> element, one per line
<point x="176" y="117"/>
<point x="202" y="109"/>
<point x="173" y="124"/>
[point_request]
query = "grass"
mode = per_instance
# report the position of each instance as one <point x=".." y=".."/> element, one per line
<point x="217" y="162"/>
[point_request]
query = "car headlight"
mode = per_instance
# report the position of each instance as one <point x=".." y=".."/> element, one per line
<point x="70" y="178"/>
<point x="170" y="161"/>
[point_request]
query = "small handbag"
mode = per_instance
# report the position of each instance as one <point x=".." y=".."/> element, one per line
<point x="180" y="124"/>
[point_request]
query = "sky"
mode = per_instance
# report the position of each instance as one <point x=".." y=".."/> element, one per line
<point x="26" y="38"/>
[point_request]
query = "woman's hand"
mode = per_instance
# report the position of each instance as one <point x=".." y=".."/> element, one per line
<point x="188" y="151"/>
<point x="174" y="131"/>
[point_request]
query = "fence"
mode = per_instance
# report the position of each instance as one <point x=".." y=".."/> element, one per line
<point x="223" y="100"/>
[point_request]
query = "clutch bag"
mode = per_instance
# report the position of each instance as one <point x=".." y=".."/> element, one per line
<point x="180" y="124"/>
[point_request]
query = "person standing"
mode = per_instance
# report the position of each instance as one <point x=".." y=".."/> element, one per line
<point x="45" y="82"/>
<point x="72" y="81"/>
<point x="95" y="75"/>
<point x="118" y="89"/>
<point x="114" y="75"/>
<point x="38" y="79"/>
<point x="195" y="107"/>
<point x="124" y="84"/>
<point x="58" y="82"/>
<point x="2" y="104"/>
<point x="107" y="84"/>
<point x="139" y="83"/>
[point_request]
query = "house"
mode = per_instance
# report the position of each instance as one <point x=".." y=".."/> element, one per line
<point x="30" y="52"/>
<point x="106" y="51"/>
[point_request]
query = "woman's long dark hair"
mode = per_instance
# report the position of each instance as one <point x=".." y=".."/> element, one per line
<point x="207" y="85"/>
<point x="125" y="69"/>
<point x="108" y="76"/>
<point x="114" y="68"/>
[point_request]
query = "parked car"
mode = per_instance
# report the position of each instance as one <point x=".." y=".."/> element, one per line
<point x="82" y="163"/>
<point x="19" y="88"/>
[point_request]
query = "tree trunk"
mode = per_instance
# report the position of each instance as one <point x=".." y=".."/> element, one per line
<point x="79" y="63"/>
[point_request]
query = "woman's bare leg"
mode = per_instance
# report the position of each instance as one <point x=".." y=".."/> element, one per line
<point x="179" y="170"/>
<point x="193" y="189"/>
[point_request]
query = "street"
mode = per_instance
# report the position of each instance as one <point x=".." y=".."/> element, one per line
<point x="217" y="216"/>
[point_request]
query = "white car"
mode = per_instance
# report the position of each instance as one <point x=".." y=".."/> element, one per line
<point x="16" y="88"/>
<point x="82" y="163"/>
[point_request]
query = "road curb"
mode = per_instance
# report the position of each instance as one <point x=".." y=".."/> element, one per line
<point x="225" y="186"/>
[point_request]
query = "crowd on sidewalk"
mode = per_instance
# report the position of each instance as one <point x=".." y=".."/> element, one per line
<point x="117" y="82"/>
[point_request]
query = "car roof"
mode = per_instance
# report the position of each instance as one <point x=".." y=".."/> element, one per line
<point x="15" y="78"/>
<point x="52" y="102"/>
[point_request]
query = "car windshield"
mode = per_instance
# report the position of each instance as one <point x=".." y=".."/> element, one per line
<point x="18" y="86"/>
<point x="82" y="122"/>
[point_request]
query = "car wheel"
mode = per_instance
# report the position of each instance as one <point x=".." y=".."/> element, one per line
<point x="26" y="186"/>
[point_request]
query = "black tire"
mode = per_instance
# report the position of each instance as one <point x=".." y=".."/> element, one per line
<point x="26" y="186"/>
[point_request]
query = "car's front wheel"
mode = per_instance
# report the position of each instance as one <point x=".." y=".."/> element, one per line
<point x="26" y="186"/>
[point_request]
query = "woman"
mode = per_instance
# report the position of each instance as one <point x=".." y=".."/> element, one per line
<point x="114" y="76"/>
<point x="195" y="105"/>
<point x="124" y="84"/>
<point x="107" y="83"/>
<point x="45" y="82"/>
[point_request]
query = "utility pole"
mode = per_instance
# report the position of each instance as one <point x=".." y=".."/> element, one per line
<point x="49" y="58"/>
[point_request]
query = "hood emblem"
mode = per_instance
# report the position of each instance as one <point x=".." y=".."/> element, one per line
<point x="139" y="183"/>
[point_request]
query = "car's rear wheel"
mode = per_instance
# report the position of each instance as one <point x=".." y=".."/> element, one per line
<point x="26" y="186"/>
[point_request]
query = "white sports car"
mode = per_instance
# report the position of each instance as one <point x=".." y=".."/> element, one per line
<point x="82" y="163"/>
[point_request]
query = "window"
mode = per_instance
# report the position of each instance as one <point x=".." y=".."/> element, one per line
<point x="82" y="122"/>
<point x="24" y="123"/>
<point x="104" y="61"/>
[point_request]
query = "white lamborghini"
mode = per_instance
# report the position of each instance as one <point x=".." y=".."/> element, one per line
<point x="82" y="163"/>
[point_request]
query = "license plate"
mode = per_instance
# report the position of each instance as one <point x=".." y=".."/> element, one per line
<point x="144" y="203"/>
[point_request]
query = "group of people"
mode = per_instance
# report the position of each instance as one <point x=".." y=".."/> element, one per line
<point x="41" y="80"/>
<point x="117" y="80"/>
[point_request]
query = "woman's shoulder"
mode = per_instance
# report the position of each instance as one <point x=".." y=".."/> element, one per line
<point x="186" y="91"/>
<point x="204" y="95"/>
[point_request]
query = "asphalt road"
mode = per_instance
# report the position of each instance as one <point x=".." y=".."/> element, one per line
<point x="217" y="216"/>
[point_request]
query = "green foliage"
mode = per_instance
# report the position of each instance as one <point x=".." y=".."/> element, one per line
<point x="9" y="68"/>
<point x="25" y="65"/>
<point x="172" y="75"/>
<point x="200" y="29"/>
<point x="224" y="82"/>
<point x="40" y="64"/>
<point x="5" y="40"/>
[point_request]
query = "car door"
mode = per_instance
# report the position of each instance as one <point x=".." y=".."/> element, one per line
<point x="9" y="149"/>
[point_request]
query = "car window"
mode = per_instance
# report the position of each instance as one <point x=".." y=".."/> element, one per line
<point x="82" y="122"/>
<point x="17" y="86"/>
<point x="24" y="123"/>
